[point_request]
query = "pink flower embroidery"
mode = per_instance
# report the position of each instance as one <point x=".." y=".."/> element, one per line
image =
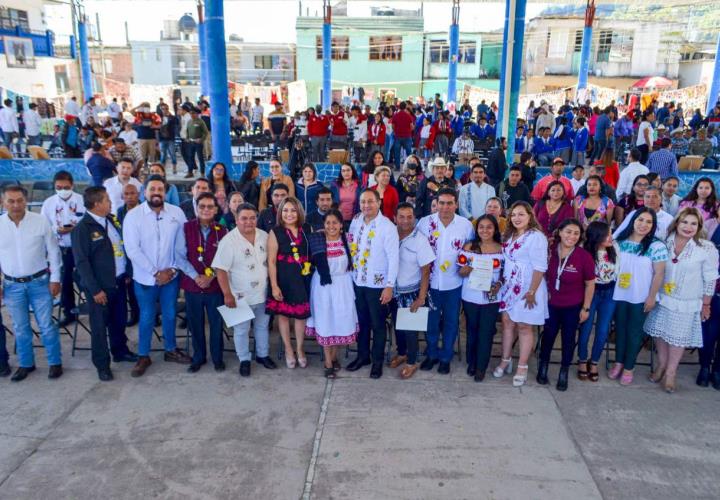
<point x="516" y="289"/>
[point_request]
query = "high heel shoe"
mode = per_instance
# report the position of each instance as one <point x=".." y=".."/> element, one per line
<point x="669" y="384"/>
<point x="500" y="371"/>
<point x="302" y="361"/>
<point x="656" y="376"/>
<point x="520" y="378"/>
<point x="290" y="362"/>
<point x="615" y="371"/>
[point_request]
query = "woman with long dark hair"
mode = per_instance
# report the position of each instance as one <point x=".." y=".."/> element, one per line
<point x="640" y="274"/>
<point x="307" y="187"/>
<point x="702" y="196"/>
<point x="248" y="184"/>
<point x="599" y="244"/>
<point x="593" y="206"/>
<point x="375" y="160"/>
<point x="220" y="185"/>
<point x="481" y="306"/>
<point x="346" y="192"/>
<point x="553" y="208"/>
<point x="632" y="201"/>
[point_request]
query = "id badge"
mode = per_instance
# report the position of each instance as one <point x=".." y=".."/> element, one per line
<point x="624" y="280"/>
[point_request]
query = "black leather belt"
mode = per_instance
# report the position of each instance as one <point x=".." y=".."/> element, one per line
<point x="26" y="279"/>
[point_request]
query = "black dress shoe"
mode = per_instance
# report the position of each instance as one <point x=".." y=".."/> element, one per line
<point x="183" y="324"/>
<point x="267" y="362"/>
<point x="703" y="377"/>
<point x="444" y="368"/>
<point x="4" y="369"/>
<point x="357" y="364"/>
<point x="479" y="376"/>
<point x="105" y="375"/>
<point x="471" y="369"/>
<point x="219" y="367"/>
<point x="55" y="371"/>
<point x="376" y="370"/>
<point x="542" y="377"/>
<point x="562" y="383"/>
<point x="134" y="320"/>
<point x="245" y="368"/>
<point x="715" y="380"/>
<point x="67" y="320"/>
<point x="428" y="364"/>
<point x="22" y="373"/>
<point x="194" y="367"/>
<point x="128" y="357"/>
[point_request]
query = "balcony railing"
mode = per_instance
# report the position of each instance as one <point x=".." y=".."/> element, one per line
<point x="43" y="42"/>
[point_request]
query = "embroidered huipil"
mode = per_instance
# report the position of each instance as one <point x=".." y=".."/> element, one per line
<point x="447" y="242"/>
<point x="374" y="251"/>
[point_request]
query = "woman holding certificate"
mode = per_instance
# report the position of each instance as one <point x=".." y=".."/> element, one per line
<point x="481" y="264"/>
<point x="571" y="285"/>
<point x="523" y="299"/>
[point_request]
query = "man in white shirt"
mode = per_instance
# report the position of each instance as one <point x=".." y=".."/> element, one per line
<point x="652" y="199"/>
<point x="241" y="267"/>
<point x="28" y="248"/>
<point x="150" y="232"/>
<point x="89" y="110"/>
<point x="475" y="194"/>
<point x="114" y="111"/>
<point x="72" y="107"/>
<point x="358" y="125"/>
<point x="114" y="185"/>
<point x="8" y="122"/>
<point x="629" y="173"/>
<point x="446" y="232"/>
<point x="33" y="122"/>
<point x="256" y="117"/>
<point x="411" y="288"/>
<point x="374" y="251"/>
<point x="63" y="210"/>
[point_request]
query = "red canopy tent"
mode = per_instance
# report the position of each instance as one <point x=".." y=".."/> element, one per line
<point x="652" y="82"/>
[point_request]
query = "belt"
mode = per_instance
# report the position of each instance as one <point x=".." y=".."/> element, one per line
<point x="26" y="279"/>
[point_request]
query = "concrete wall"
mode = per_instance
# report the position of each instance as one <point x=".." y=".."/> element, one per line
<point x="695" y="72"/>
<point x="152" y="63"/>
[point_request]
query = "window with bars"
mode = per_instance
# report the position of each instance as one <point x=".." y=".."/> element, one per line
<point x="9" y="18"/>
<point x="264" y="62"/>
<point x="622" y="46"/>
<point x="385" y="48"/>
<point x="440" y="52"/>
<point x="578" y="41"/>
<point x="604" y="45"/>
<point x="339" y="48"/>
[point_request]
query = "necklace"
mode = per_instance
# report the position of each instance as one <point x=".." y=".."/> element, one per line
<point x="208" y="271"/>
<point x="295" y="242"/>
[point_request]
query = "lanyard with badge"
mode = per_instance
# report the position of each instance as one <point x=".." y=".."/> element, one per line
<point x="561" y="267"/>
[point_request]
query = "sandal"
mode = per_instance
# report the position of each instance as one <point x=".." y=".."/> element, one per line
<point x="582" y="370"/>
<point x="656" y="376"/>
<point x="330" y="372"/>
<point x="501" y="370"/>
<point x="626" y="378"/>
<point x="290" y="362"/>
<point x="336" y="365"/>
<point x="615" y="371"/>
<point x="520" y="378"/>
<point x="593" y="376"/>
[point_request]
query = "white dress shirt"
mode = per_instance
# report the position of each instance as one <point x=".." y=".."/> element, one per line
<point x="150" y="240"/>
<point x="415" y="252"/>
<point x="59" y="212"/>
<point x="627" y="177"/>
<point x="8" y="120"/>
<point x="246" y="265"/>
<point x="114" y="189"/>
<point x="114" y="110"/>
<point x="447" y="242"/>
<point x="29" y="247"/>
<point x="472" y="199"/>
<point x="32" y="121"/>
<point x="117" y="243"/>
<point x="72" y="108"/>
<point x="374" y="249"/>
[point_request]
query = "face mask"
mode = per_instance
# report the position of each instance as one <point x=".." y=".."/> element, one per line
<point x="64" y="193"/>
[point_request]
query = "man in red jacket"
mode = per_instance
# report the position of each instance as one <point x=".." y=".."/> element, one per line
<point x="317" y="131"/>
<point x="339" y="128"/>
<point x="403" y="123"/>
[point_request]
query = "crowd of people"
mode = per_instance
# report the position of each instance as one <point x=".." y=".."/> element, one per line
<point x="333" y="261"/>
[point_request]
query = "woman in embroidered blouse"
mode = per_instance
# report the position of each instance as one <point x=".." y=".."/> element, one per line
<point x="346" y="192"/>
<point x="632" y="201"/>
<point x="640" y="273"/>
<point x="523" y="298"/>
<point x="594" y="206"/>
<point x="553" y="208"/>
<point x="599" y="243"/>
<point x="703" y="197"/>
<point x="688" y="287"/>
<point x="334" y="320"/>
<point x="481" y="307"/>
<point x="289" y="272"/>
<point x="388" y="194"/>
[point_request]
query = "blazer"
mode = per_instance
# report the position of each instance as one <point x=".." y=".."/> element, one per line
<point x="265" y="185"/>
<point x="94" y="256"/>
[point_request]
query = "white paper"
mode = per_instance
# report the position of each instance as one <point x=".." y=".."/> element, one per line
<point x="481" y="276"/>
<point x="236" y="315"/>
<point x="413" y="322"/>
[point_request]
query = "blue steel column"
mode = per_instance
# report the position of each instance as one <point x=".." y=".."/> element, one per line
<point x="327" y="55"/>
<point x="202" y="46"/>
<point x="714" y="93"/>
<point x="586" y="44"/>
<point x="454" y="49"/>
<point x="218" y="90"/>
<point x="513" y="36"/>
<point x="85" y="70"/>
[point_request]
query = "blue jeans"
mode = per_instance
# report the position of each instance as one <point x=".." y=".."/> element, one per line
<point x="148" y="297"/>
<point x="604" y="305"/>
<point x="262" y="335"/>
<point x="19" y="297"/>
<point x="167" y="150"/>
<point x="389" y="147"/>
<point x="405" y="143"/>
<point x="445" y="306"/>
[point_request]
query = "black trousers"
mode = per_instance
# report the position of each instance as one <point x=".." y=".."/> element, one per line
<point x="371" y="317"/>
<point x="197" y="305"/>
<point x="3" y="348"/>
<point x="481" y="327"/>
<point x="67" y="293"/>
<point x="565" y="319"/>
<point x="108" y="321"/>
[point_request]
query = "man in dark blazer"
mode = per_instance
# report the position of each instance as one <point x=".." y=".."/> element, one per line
<point x="101" y="267"/>
<point x="188" y="207"/>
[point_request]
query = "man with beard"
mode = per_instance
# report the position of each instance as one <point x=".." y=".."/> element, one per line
<point x="150" y="232"/>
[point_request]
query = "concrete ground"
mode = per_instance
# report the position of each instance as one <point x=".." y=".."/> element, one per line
<point x="291" y="434"/>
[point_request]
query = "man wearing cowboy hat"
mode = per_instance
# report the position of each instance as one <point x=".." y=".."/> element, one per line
<point x="430" y="186"/>
<point x="679" y="145"/>
<point x="556" y="174"/>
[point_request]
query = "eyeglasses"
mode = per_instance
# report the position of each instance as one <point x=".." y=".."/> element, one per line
<point x="206" y="207"/>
